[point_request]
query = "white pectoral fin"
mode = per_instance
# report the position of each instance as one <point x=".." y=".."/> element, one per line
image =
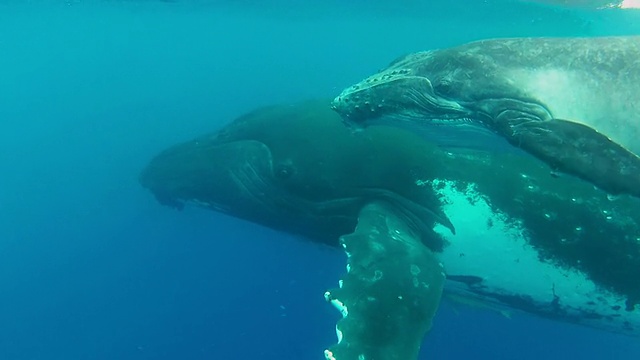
<point x="390" y="293"/>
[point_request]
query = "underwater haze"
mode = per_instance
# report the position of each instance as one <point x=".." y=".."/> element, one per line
<point x="92" y="267"/>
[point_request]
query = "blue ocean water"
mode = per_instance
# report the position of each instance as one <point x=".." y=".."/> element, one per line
<point x="92" y="267"/>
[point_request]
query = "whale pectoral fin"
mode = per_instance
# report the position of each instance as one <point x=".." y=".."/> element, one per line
<point x="391" y="290"/>
<point x="581" y="151"/>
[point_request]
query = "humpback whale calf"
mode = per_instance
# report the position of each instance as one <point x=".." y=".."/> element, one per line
<point x="407" y="213"/>
<point x="574" y="103"/>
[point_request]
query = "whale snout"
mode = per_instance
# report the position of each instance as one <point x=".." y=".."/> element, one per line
<point x="210" y="174"/>
<point x="369" y="99"/>
<point x="354" y="111"/>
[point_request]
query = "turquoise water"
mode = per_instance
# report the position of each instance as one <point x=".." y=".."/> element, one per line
<point x="91" y="267"/>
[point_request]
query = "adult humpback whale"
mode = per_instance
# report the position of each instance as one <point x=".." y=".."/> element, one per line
<point x="572" y="102"/>
<point x="557" y="248"/>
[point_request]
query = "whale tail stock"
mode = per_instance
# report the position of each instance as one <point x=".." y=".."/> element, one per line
<point x="579" y="150"/>
<point x="391" y="290"/>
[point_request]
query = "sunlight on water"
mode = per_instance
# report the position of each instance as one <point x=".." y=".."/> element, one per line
<point x="630" y="4"/>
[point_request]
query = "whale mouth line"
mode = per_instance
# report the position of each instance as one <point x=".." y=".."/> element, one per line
<point x="447" y="132"/>
<point x="415" y="121"/>
<point x="454" y="121"/>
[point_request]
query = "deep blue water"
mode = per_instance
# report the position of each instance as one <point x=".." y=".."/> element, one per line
<point x="92" y="267"/>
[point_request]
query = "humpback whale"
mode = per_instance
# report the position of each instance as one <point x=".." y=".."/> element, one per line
<point x="414" y="219"/>
<point x="571" y="102"/>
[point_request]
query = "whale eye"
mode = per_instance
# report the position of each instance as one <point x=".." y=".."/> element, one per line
<point x="284" y="171"/>
<point x="443" y="86"/>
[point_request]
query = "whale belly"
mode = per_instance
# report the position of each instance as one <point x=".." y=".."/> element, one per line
<point x="491" y="258"/>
